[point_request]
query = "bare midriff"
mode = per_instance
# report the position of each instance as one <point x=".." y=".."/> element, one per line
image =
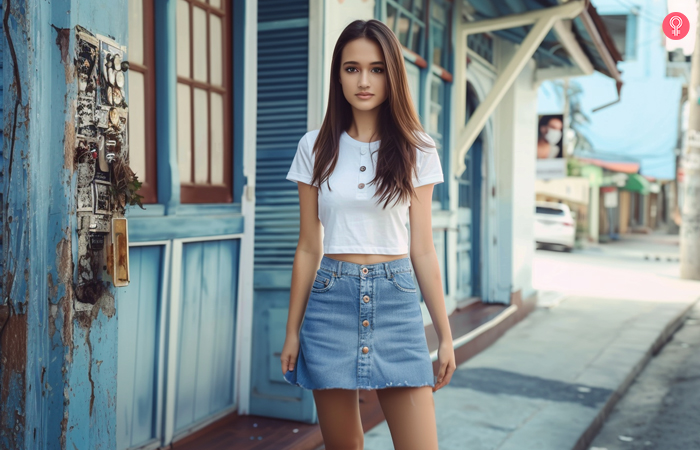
<point x="366" y="259"/>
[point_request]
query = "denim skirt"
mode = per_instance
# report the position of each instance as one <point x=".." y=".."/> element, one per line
<point x="362" y="329"/>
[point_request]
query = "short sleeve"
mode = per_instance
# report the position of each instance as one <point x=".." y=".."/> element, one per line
<point x="429" y="166"/>
<point x="302" y="166"/>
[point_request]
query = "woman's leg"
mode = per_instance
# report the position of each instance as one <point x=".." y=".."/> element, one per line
<point x="339" y="418"/>
<point x="410" y="414"/>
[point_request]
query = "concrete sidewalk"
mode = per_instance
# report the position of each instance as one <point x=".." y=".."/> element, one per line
<point x="550" y="382"/>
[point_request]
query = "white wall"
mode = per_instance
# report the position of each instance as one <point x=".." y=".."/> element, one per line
<point x="337" y="15"/>
<point x="515" y="144"/>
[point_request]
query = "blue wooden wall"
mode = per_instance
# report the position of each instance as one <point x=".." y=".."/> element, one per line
<point x="59" y="358"/>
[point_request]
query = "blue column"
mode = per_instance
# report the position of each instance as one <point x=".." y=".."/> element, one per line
<point x="58" y="379"/>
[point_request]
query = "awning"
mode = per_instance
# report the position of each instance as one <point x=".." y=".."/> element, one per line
<point x="547" y="32"/>
<point x="637" y="183"/>
<point x="615" y="166"/>
<point x="587" y="29"/>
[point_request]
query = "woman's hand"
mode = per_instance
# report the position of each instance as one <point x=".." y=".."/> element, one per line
<point x="446" y="356"/>
<point x="290" y="351"/>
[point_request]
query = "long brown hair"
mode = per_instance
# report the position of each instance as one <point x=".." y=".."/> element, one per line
<point x="399" y="126"/>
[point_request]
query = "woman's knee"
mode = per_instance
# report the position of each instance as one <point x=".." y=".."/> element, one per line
<point x="339" y="418"/>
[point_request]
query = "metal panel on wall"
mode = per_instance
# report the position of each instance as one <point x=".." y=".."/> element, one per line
<point x="283" y="66"/>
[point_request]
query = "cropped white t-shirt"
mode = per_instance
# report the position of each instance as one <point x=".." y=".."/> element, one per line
<point x="352" y="221"/>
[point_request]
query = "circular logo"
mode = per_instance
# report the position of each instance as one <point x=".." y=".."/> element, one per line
<point x="676" y="26"/>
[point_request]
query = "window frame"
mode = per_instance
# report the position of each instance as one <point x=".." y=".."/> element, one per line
<point x="149" y="188"/>
<point x="191" y="192"/>
<point x="428" y="71"/>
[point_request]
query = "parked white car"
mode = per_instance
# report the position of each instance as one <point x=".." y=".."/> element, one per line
<point x="554" y="225"/>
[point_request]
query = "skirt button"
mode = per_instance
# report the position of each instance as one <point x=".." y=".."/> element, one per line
<point x="366" y="298"/>
<point x="365" y="350"/>
<point x="366" y="323"/>
<point x="365" y="270"/>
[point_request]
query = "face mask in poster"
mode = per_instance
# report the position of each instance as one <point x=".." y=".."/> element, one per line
<point x="550" y="156"/>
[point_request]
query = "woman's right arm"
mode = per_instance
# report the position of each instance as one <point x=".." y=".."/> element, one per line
<point x="306" y="262"/>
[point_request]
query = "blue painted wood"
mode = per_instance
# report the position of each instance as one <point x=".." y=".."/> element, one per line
<point x="239" y="85"/>
<point x="60" y="369"/>
<point x="205" y="349"/>
<point x="477" y="152"/>
<point x="469" y="215"/>
<point x="282" y="105"/>
<point x="283" y="40"/>
<point x="166" y="105"/>
<point x="146" y="229"/>
<point x="442" y="103"/>
<point x="92" y="382"/>
<point x="138" y="313"/>
<point x="204" y="379"/>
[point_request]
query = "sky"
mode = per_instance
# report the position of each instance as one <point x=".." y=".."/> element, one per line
<point x="689" y="9"/>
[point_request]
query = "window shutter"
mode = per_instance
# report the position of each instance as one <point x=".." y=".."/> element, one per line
<point x="283" y="66"/>
<point x="283" y="35"/>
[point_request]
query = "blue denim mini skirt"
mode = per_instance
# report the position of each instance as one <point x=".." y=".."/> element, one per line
<point x="362" y="329"/>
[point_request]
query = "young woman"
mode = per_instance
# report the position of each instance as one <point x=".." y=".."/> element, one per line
<point x="355" y="322"/>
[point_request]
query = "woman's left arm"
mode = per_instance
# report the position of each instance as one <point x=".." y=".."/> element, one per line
<point x="425" y="264"/>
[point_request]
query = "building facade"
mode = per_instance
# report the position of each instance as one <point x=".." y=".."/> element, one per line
<point x="631" y="141"/>
<point x="219" y="93"/>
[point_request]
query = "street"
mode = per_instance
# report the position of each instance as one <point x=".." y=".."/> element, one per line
<point x="661" y="409"/>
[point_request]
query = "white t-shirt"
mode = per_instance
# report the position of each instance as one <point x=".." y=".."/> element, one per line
<point x="352" y="221"/>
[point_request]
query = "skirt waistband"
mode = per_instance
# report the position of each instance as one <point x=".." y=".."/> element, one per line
<point x="383" y="269"/>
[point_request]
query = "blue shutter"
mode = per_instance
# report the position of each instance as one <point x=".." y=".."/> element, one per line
<point x="283" y="39"/>
<point x="283" y="46"/>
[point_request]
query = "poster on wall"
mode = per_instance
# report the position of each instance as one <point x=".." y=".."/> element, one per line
<point x="551" y="163"/>
<point x="609" y="196"/>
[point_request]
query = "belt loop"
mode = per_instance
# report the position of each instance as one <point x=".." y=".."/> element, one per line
<point x="387" y="268"/>
<point x="340" y="268"/>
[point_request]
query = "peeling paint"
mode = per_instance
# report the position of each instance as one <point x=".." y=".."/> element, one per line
<point x="57" y="363"/>
<point x="64" y="265"/>
<point x="14" y="363"/>
<point x="63" y="43"/>
<point x="69" y="140"/>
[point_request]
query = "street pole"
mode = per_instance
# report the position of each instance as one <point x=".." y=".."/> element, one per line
<point x="690" y="213"/>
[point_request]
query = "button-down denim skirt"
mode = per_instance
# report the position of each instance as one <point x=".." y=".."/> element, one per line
<point x="363" y="329"/>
